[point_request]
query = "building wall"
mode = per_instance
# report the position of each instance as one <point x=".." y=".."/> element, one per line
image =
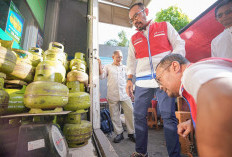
<point x="29" y="37"/>
<point x="66" y="23"/>
<point x="72" y="26"/>
<point x="107" y="51"/>
<point x="51" y="22"/>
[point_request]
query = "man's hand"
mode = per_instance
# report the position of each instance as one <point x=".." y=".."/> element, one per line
<point x="99" y="61"/>
<point x="129" y="89"/>
<point x="100" y="66"/>
<point x="183" y="129"/>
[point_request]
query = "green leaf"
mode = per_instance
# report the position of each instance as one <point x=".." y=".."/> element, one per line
<point x="174" y="15"/>
<point x="123" y="41"/>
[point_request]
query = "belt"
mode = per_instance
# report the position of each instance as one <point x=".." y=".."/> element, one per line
<point x="146" y="77"/>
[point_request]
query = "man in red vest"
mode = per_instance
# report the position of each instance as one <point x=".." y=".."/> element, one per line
<point x="147" y="47"/>
<point x="207" y="87"/>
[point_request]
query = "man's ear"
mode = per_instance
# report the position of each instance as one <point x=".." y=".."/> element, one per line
<point x="146" y="11"/>
<point x="176" y="66"/>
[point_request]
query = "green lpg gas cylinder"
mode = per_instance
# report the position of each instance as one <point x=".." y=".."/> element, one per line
<point x="4" y="96"/>
<point x="78" y="134"/>
<point x="75" y="86"/>
<point x="16" y="102"/>
<point x="66" y="65"/>
<point x="55" y="52"/>
<point x="76" y="117"/>
<point x="27" y="56"/>
<point x="23" y="69"/>
<point x="77" y="64"/>
<point x="7" y="60"/>
<point x="52" y="55"/>
<point x="7" y="44"/>
<point x="56" y="46"/>
<point x="66" y="62"/>
<point x="80" y="76"/>
<point x="50" y="71"/>
<point x="46" y="95"/>
<point x="78" y="101"/>
<point x="37" y="55"/>
<point x="80" y="56"/>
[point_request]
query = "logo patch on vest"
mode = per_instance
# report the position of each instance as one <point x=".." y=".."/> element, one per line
<point x="156" y="34"/>
<point x="139" y="40"/>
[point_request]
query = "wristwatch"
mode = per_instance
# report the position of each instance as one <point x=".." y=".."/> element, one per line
<point x="129" y="79"/>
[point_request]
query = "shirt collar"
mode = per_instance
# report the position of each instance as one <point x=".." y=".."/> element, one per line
<point x="116" y="65"/>
<point x="229" y="29"/>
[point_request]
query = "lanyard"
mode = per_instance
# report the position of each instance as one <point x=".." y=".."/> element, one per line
<point x="150" y="58"/>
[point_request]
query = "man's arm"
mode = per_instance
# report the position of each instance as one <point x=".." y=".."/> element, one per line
<point x="131" y="60"/>
<point x="129" y="86"/>
<point x="102" y="72"/>
<point x="214" y="118"/>
<point x="131" y="65"/>
<point x="178" y="44"/>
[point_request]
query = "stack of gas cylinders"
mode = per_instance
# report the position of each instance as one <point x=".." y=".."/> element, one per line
<point x="47" y="93"/>
<point x="44" y="87"/>
<point x="77" y="131"/>
<point x="14" y="64"/>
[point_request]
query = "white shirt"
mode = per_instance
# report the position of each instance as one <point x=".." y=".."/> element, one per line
<point x="141" y="67"/>
<point x="116" y="82"/>
<point x="221" y="46"/>
<point x="201" y="72"/>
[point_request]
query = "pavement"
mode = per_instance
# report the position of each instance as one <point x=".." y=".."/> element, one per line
<point x="87" y="150"/>
<point x="156" y="144"/>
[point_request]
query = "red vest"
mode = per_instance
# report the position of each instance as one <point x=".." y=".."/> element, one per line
<point x="158" y="39"/>
<point x="192" y="105"/>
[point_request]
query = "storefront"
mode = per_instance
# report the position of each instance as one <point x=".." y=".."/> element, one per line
<point x="23" y="22"/>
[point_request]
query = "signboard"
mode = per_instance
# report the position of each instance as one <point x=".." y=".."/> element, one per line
<point x="15" y="21"/>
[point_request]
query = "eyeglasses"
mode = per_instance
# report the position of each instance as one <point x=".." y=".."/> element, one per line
<point x="159" y="77"/>
<point x="227" y="12"/>
<point x="135" y="16"/>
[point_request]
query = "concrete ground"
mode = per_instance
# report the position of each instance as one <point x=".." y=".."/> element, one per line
<point x="88" y="150"/>
<point x="156" y="144"/>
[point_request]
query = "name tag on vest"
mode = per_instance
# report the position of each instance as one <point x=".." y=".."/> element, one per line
<point x="156" y="34"/>
<point x="138" y="41"/>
